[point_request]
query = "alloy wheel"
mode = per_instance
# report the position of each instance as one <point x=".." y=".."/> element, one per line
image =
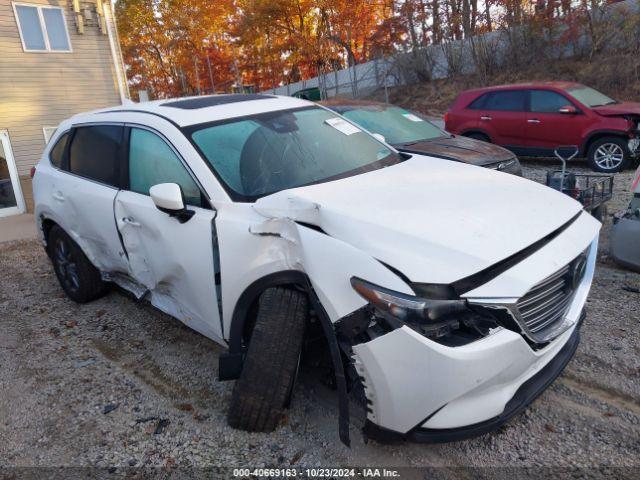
<point x="66" y="265"/>
<point x="609" y="156"/>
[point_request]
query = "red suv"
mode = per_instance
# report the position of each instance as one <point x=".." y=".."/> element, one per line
<point x="532" y="119"/>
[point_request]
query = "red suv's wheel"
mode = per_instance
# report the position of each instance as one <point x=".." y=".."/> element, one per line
<point x="608" y="154"/>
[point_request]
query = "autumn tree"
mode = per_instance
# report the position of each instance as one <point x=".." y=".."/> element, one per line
<point x="179" y="47"/>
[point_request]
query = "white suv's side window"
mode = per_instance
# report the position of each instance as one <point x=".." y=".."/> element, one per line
<point x="57" y="152"/>
<point x="152" y="161"/>
<point x="95" y="153"/>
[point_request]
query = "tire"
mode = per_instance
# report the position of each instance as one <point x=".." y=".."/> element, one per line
<point x="264" y="388"/>
<point x="608" y="155"/>
<point x="478" y="136"/>
<point x="79" y="279"/>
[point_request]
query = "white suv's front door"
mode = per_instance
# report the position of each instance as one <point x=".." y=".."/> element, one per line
<point x="175" y="261"/>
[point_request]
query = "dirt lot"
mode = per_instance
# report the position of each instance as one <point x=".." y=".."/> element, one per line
<point x="116" y="384"/>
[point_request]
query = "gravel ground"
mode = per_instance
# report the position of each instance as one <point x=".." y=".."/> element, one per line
<point x="115" y="383"/>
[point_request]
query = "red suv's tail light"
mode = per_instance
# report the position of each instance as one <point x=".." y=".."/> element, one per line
<point x="32" y="172"/>
<point x="446" y="117"/>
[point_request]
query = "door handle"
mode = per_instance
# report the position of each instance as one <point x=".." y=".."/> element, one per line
<point x="130" y="221"/>
<point x="485" y="118"/>
<point x="58" y="196"/>
<point x="533" y="120"/>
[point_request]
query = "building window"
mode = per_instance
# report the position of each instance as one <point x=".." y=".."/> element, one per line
<point x="42" y="28"/>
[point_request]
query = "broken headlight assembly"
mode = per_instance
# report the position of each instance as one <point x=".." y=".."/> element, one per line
<point x="452" y="322"/>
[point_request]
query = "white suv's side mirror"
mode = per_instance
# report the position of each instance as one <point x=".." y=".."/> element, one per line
<point x="168" y="198"/>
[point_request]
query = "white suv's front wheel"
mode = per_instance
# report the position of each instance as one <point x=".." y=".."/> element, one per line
<point x="264" y="388"/>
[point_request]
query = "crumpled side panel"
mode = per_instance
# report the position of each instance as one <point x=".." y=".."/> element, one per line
<point x="252" y="247"/>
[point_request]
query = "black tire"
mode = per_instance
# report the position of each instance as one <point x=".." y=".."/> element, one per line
<point x="617" y="146"/>
<point x="79" y="279"/>
<point x="264" y="388"/>
<point x="478" y="136"/>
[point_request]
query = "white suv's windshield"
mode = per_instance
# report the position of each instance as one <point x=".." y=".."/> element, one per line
<point x="262" y="154"/>
<point x="590" y="97"/>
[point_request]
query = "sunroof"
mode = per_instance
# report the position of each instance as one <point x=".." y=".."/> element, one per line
<point x="213" y="100"/>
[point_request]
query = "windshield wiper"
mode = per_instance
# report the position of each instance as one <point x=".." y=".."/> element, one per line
<point x="612" y="102"/>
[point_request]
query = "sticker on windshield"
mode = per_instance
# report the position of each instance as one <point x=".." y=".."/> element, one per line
<point x="412" y="117"/>
<point x="342" y="126"/>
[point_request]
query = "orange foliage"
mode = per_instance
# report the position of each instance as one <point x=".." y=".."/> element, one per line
<point x="180" y="47"/>
<point x="168" y="45"/>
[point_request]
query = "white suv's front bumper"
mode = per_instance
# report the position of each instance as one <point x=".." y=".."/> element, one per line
<point x="422" y="384"/>
<point x="417" y="387"/>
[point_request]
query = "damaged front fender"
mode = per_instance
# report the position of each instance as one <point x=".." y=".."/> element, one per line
<point x="267" y="246"/>
<point x="281" y="250"/>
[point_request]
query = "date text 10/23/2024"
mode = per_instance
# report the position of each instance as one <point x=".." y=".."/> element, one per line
<point x="316" y="473"/>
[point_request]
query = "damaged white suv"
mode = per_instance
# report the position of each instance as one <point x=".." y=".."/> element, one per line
<point x="446" y="296"/>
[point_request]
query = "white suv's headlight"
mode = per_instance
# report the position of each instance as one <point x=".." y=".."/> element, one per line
<point x="407" y="308"/>
<point x="451" y="322"/>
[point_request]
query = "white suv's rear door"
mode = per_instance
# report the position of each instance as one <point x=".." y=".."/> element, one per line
<point x="82" y="189"/>
<point x="174" y="261"/>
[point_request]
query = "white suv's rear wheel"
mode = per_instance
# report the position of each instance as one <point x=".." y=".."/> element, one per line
<point x="79" y="279"/>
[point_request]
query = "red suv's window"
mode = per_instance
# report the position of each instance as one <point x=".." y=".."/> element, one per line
<point x="508" y="100"/>
<point x="478" y="103"/>
<point x="546" y="101"/>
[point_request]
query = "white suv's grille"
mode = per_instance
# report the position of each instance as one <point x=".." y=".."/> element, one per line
<point x="546" y="302"/>
<point x="544" y="306"/>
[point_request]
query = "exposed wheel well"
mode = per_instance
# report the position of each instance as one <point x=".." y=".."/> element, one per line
<point x="597" y="136"/>
<point x="315" y="347"/>
<point x="468" y="133"/>
<point x="231" y="364"/>
<point x="252" y="313"/>
<point x="245" y="310"/>
<point x="47" y="225"/>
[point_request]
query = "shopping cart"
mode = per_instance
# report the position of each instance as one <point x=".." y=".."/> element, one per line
<point x="591" y="190"/>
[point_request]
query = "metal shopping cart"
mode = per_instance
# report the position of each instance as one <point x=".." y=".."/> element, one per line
<point x="591" y="190"/>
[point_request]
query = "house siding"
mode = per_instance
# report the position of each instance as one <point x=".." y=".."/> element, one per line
<point x="40" y="89"/>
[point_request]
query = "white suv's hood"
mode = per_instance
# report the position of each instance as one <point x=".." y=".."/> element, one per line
<point x="436" y="221"/>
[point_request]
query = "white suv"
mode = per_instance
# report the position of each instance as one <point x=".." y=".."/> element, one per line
<point x="448" y="295"/>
